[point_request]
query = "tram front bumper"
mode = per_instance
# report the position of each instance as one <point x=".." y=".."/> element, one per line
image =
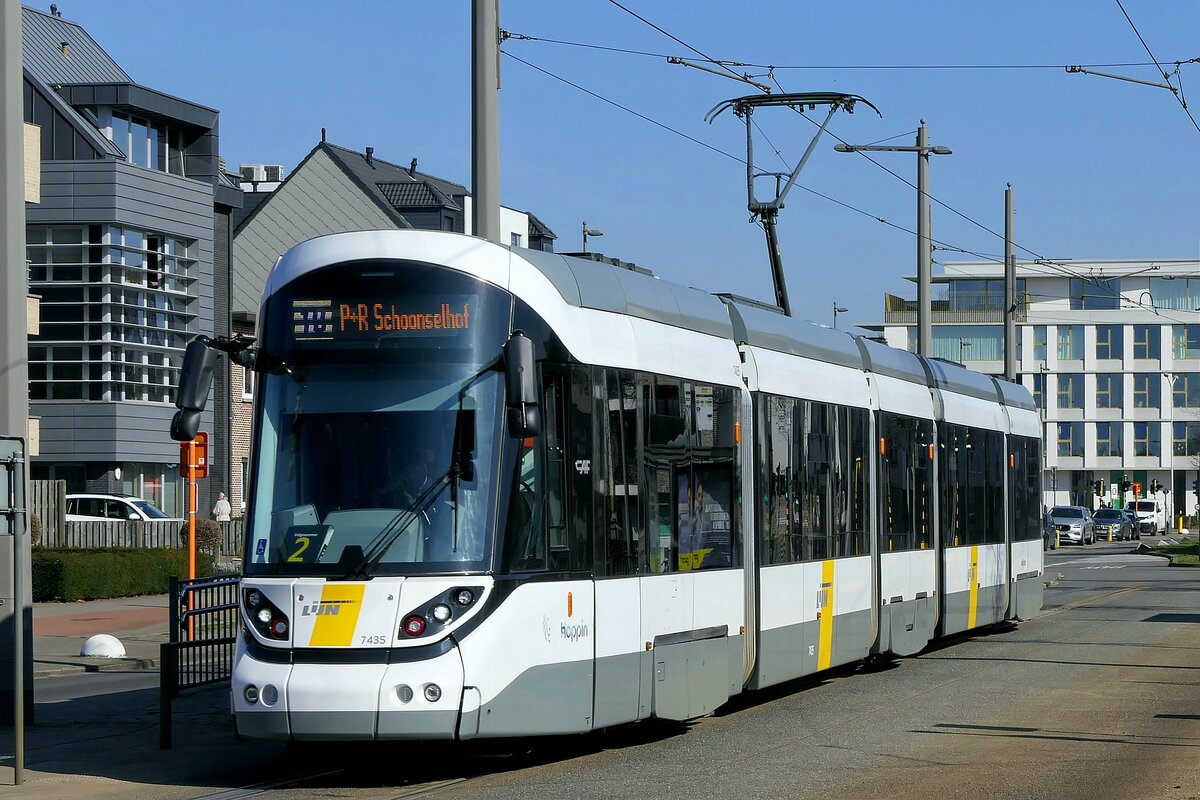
<point x="420" y="699"/>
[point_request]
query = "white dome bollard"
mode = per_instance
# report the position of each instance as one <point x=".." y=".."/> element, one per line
<point x="103" y="646"/>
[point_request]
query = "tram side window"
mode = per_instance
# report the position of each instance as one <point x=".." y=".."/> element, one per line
<point x="971" y="477"/>
<point x="537" y="536"/>
<point x="905" y="481"/>
<point x="625" y="554"/>
<point x="1025" y="487"/>
<point x="774" y="445"/>
<point x="666" y="435"/>
<point x="814" y="475"/>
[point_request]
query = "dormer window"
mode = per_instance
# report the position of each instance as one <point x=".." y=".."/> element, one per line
<point x="148" y="143"/>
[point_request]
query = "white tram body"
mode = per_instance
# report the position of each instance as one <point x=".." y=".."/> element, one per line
<point x="713" y="497"/>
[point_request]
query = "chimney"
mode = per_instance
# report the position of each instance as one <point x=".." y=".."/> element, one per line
<point x="322" y="134"/>
<point x="370" y="153"/>
<point x="412" y="169"/>
<point x="65" y="47"/>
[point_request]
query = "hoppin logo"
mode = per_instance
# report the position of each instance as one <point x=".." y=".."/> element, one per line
<point x="546" y="628"/>
<point x="573" y="632"/>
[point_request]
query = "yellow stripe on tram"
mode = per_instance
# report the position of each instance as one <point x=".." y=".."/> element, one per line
<point x="337" y="615"/>
<point x="825" y="609"/>
<point x="973" y="587"/>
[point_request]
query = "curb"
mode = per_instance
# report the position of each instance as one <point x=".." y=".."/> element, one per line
<point x="45" y="668"/>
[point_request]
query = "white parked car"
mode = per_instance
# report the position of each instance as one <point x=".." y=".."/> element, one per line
<point x="92" y="507"/>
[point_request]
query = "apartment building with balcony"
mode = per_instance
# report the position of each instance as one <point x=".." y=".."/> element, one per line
<point x="1111" y="352"/>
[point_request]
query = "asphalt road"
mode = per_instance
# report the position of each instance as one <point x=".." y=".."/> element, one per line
<point x="1097" y="697"/>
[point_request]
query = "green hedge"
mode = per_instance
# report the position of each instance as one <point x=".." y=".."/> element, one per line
<point x="89" y="574"/>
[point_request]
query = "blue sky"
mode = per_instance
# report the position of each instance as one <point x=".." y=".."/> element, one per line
<point x="1100" y="168"/>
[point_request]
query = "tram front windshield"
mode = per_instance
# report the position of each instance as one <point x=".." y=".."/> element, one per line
<point x="379" y="425"/>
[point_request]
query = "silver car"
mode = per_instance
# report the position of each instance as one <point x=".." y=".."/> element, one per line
<point x="1113" y="523"/>
<point x="1074" y="524"/>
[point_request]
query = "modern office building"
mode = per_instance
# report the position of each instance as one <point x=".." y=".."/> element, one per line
<point x="1110" y="351"/>
<point x="129" y="250"/>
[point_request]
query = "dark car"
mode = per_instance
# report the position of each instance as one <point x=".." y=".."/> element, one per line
<point x="1049" y="534"/>
<point x="1114" y="523"/>
<point x="1138" y="524"/>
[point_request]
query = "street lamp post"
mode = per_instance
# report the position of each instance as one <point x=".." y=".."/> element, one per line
<point x="837" y="310"/>
<point x="589" y="232"/>
<point x="924" y="244"/>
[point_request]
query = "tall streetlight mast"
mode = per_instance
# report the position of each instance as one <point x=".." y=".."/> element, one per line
<point x="768" y="212"/>
<point x="924" y="241"/>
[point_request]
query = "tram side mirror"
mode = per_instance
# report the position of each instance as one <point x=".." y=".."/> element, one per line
<point x="524" y="418"/>
<point x="195" y="381"/>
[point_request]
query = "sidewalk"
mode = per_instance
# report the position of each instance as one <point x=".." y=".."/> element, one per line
<point x="60" y="630"/>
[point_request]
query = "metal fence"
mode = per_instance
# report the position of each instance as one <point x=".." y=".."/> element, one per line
<point x="203" y="627"/>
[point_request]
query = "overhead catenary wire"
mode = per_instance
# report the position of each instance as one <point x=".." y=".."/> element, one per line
<point x="1166" y="76"/>
<point x="1067" y="270"/>
<point x="732" y="63"/>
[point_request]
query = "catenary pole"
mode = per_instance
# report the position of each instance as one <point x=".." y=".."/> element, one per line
<point x="14" y="390"/>
<point x="1010" y="290"/>
<point x="924" y="249"/>
<point x="485" y="122"/>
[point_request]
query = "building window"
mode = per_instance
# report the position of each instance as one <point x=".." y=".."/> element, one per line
<point x="1095" y="294"/>
<point x="1108" y="391"/>
<point x="1185" y="341"/>
<point x="1146" y="439"/>
<point x="1180" y="294"/>
<point x="146" y="143"/>
<point x="1109" y="340"/>
<point x="1039" y="389"/>
<point x="514" y="239"/>
<point x="1185" y="391"/>
<point x="981" y="294"/>
<point x="1186" y="436"/>
<point x="1070" y="342"/>
<point x="1108" y="438"/>
<point x="968" y="342"/>
<point x="117" y="307"/>
<point x="1070" y="390"/>
<point x="1145" y="342"/>
<point x="247" y="385"/>
<point x="1147" y="390"/>
<point x="1039" y="342"/>
<point x="1070" y="438"/>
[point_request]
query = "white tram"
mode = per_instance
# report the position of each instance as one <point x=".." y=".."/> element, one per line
<point x="506" y="492"/>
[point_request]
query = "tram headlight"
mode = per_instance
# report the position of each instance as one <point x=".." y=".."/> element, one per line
<point x="264" y="616"/>
<point x="441" y="613"/>
<point x="250" y="693"/>
<point x="269" y="695"/>
<point x="464" y="597"/>
<point x="433" y="692"/>
<point x="254" y="598"/>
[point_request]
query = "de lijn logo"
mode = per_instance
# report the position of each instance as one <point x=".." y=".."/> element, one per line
<point x="323" y="608"/>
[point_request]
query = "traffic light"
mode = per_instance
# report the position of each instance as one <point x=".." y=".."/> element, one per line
<point x="1098" y="488"/>
<point x="1155" y="486"/>
<point x="1196" y="486"/>
<point x="1137" y="489"/>
<point x="1126" y="486"/>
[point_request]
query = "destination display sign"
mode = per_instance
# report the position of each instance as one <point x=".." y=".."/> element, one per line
<point x="361" y="318"/>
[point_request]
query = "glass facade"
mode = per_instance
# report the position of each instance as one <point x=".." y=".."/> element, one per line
<point x="1147" y="390"/>
<point x="117" y="305"/>
<point x="1185" y="390"/>
<point x="1146" y="439"/>
<point x="1108" y="438"/>
<point x="147" y="143"/>
<point x="1109" y="341"/>
<point x="1178" y="293"/>
<point x="1145" y="342"/>
<point x="1070" y="438"/>
<point x="1109" y="390"/>
<point x="1095" y="294"/>
<point x="1185" y="342"/>
<point x="1070" y="342"/>
<point x="1070" y="390"/>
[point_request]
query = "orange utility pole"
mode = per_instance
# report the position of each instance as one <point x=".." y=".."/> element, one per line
<point x="193" y="464"/>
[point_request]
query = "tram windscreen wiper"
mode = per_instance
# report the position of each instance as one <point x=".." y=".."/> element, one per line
<point x="383" y="542"/>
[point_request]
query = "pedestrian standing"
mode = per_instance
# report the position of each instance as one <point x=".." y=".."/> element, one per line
<point x="222" y="509"/>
